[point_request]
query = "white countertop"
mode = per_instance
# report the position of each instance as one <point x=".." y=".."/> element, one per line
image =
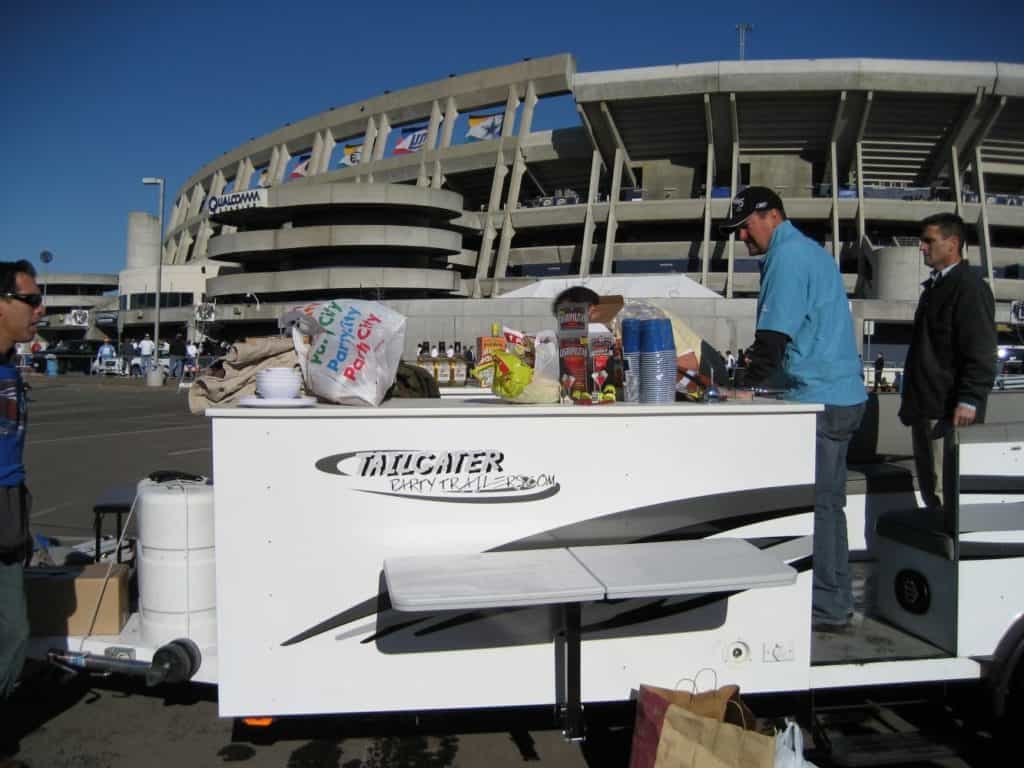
<point x="433" y="408"/>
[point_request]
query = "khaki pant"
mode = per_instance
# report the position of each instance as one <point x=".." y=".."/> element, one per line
<point x="933" y="458"/>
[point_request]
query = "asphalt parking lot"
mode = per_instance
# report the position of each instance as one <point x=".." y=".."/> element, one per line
<point x="87" y="434"/>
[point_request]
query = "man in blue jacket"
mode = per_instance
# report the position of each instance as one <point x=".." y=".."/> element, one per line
<point x="804" y="343"/>
<point x="21" y="308"/>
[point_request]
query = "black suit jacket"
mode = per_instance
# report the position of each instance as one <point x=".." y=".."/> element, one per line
<point x="952" y="355"/>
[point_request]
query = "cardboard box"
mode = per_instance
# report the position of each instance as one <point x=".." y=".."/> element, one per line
<point x="61" y="601"/>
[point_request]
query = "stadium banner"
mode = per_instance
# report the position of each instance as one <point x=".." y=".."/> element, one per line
<point x="301" y="168"/>
<point x="352" y="155"/>
<point x="413" y="140"/>
<point x="485" y="127"/>
<point x="236" y="201"/>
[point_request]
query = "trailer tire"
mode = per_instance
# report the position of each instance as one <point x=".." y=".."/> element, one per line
<point x="175" y="662"/>
<point x="1005" y="679"/>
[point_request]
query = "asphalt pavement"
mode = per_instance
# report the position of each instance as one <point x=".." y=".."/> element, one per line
<point x="88" y="434"/>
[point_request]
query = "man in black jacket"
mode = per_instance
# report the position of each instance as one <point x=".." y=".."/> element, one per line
<point x="951" y="363"/>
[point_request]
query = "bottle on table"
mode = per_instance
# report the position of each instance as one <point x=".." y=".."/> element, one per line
<point x="458" y="366"/>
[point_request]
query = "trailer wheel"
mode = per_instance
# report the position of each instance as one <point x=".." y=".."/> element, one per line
<point x="175" y="662"/>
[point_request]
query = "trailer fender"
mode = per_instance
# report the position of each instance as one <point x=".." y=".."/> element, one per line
<point x="1006" y="661"/>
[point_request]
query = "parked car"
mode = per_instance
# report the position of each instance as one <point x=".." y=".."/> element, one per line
<point x="72" y="356"/>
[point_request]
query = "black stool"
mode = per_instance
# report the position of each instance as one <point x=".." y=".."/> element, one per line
<point x="115" y="501"/>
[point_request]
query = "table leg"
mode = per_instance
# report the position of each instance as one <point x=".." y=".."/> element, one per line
<point x="571" y="711"/>
<point x="97" y="522"/>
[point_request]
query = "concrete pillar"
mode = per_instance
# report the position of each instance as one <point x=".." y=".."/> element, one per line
<point x="178" y="212"/>
<point x="511" y="202"/>
<point x="315" y="154"/>
<point x="437" y="178"/>
<point x="268" y="172"/>
<point x="369" y="142"/>
<point x="734" y="188"/>
<point x="483" y="264"/>
<point x="861" y="222"/>
<point x="275" y="173"/>
<point x="381" y="144"/>
<point x="709" y="180"/>
<point x="835" y="202"/>
<point x="327" y="150"/>
<point x="515" y="183"/>
<point x="588" y="224"/>
<point x="434" y="125"/>
<point x="142" y="245"/>
<point x="243" y="174"/>
<point x="511" y="104"/>
<point x="185" y="241"/>
<point x="529" y="104"/>
<point x="986" y="236"/>
<point x="195" y="203"/>
<point x="217" y="183"/>
<point x="202" y="241"/>
<point x="451" y="114"/>
<point x="958" y="192"/>
<point x="613" y="224"/>
<point x="734" y="179"/>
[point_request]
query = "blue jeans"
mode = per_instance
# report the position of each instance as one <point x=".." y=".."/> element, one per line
<point x="832" y="594"/>
<point x="13" y="625"/>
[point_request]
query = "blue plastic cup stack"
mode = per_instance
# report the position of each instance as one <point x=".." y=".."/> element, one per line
<point x="631" y="357"/>
<point x="657" y="361"/>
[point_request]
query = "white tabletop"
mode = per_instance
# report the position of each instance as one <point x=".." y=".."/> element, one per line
<point x="664" y="568"/>
<point x="578" y="574"/>
<point x="488" y="580"/>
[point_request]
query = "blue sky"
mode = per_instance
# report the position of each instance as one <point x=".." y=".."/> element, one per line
<point x="96" y="95"/>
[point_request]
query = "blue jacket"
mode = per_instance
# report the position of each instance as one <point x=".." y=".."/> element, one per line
<point x="802" y="296"/>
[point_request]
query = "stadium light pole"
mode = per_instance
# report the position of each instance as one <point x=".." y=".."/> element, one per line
<point x="154" y="377"/>
<point x="743" y="29"/>
<point x="46" y="257"/>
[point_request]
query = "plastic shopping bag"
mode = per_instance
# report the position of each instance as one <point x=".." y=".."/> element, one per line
<point x="789" y="748"/>
<point x="348" y="349"/>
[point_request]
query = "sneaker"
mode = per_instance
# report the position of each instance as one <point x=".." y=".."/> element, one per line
<point x="832" y="628"/>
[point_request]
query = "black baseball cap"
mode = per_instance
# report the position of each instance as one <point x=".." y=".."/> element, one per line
<point x="751" y="200"/>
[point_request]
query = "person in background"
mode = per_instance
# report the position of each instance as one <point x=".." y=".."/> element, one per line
<point x="879" y="370"/>
<point x="127" y="352"/>
<point x="146" y="350"/>
<point x="178" y="352"/>
<point x="804" y="343"/>
<point x="21" y="308"/>
<point x="192" y="357"/>
<point x="106" y="351"/>
<point x="730" y="366"/>
<point x="951" y="362"/>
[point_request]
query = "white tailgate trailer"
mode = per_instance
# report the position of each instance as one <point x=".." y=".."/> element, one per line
<point x="311" y="502"/>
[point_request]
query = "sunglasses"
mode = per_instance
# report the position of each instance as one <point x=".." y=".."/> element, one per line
<point x="32" y="299"/>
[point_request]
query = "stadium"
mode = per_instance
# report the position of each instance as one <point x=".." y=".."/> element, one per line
<point x="453" y="201"/>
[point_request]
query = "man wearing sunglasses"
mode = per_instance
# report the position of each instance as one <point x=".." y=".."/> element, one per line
<point x="804" y="343"/>
<point x="21" y="308"/>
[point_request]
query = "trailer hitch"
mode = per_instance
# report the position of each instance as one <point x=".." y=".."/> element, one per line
<point x="175" y="662"/>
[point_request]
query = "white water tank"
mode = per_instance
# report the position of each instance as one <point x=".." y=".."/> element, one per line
<point x="177" y="576"/>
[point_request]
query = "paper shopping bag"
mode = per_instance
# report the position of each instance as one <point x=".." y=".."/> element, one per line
<point x="703" y="730"/>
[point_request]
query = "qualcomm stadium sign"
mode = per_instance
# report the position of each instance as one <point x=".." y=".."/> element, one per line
<point x="236" y="201"/>
<point x="460" y="476"/>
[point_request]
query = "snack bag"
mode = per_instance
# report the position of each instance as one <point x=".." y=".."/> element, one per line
<point x="529" y="377"/>
<point x="348" y="349"/>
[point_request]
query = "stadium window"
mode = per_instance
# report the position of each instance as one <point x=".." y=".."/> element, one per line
<point x="745" y="174"/>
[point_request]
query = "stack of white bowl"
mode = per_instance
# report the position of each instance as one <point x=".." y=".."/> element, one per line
<point x="278" y="383"/>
